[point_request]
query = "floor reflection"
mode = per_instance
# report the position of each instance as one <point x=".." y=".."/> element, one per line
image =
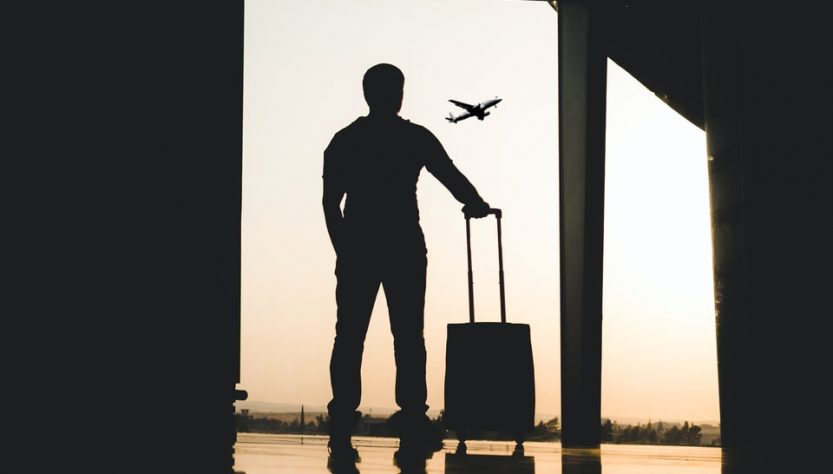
<point x="342" y="467"/>
<point x="284" y="454"/>
<point x="410" y="465"/>
<point x="786" y="460"/>
<point x="581" y="461"/>
<point x="460" y="462"/>
<point x="404" y="464"/>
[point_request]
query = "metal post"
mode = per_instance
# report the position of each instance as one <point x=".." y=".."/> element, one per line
<point x="471" y="277"/>
<point x="500" y="271"/>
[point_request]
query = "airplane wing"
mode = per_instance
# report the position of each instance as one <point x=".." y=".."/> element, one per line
<point x="462" y="105"/>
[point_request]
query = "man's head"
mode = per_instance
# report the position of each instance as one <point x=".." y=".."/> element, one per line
<point x="382" y="86"/>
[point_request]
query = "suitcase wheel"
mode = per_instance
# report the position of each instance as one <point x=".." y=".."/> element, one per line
<point x="519" y="450"/>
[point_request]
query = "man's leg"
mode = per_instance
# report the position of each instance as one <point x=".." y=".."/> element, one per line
<point x="355" y="295"/>
<point x="404" y="284"/>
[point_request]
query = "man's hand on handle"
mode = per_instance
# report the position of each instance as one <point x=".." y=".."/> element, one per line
<point x="477" y="210"/>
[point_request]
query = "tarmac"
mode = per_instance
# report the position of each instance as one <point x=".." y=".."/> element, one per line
<point x="296" y="454"/>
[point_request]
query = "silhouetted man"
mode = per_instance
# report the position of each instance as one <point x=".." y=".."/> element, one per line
<point x="376" y="161"/>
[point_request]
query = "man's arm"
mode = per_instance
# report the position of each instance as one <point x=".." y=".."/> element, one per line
<point x="331" y="201"/>
<point x="438" y="163"/>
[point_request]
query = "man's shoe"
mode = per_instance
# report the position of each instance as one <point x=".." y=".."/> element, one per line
<point x="422" y="438"/>
<point x="418" y="437"/>
<point x="419" y="447"/>
<point x="342" y="452"/>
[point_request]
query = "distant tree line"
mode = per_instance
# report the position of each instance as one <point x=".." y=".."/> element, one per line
<point x="659" y="433"/>
<point x="546" y="431"/>
<point x="366" y="426"/>
<point x="374" y="426"/>
<point x="247" y="423"/>
<point x="688" y="434"/>
<point x="543" y="431"/>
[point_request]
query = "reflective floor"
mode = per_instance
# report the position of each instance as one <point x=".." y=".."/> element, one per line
<point x="272" y="454"/>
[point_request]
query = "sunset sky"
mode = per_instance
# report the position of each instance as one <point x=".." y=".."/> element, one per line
<point x="304" y="61"/>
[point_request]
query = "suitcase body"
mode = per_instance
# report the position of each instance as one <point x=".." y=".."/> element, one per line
<point x="489" y="377"/>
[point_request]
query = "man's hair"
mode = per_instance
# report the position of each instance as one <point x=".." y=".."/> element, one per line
<point x="382" y="86"/>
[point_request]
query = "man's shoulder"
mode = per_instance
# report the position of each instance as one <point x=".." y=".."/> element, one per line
<point x="352" y="128"/>
<point x="346" y="134"/>
<point x="363" y="129"/>
<point x="418" y="131"/>
<point x="415" y="127"/>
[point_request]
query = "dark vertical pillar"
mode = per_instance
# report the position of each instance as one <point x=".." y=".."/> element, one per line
<point x="582" y="81"/>
<point x="721" y="90"/>
<point x="767" y="76"/>
<point x="126" y="233"/>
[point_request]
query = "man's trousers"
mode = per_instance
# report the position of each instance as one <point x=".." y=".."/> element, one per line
<point x="360" y="273"/>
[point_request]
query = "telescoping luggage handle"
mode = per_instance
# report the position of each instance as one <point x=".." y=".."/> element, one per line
<point x="498" y="214"/>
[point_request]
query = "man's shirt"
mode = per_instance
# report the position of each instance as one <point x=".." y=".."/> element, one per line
<point x="376" y="162"/>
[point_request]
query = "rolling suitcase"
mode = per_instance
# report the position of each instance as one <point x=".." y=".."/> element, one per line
<point x="489" y="378"/>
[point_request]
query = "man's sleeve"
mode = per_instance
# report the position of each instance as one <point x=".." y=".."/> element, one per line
<point x="438" y="163"/>
<point x="334" y="176"/>
<point x="333" y="173"/>
<point x="334" y="189"/>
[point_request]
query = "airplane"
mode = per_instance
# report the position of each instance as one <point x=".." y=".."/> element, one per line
<point x="478" y="110"/>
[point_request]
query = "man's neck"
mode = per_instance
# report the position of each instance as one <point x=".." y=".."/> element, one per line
<point x="376" y="115"/>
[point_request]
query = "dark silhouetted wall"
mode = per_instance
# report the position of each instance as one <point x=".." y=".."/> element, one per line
<point x="767" y="79"/>
<point x="124" y="250"/>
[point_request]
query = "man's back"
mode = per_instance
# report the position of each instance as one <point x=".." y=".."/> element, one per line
<point x="376" y="162"/>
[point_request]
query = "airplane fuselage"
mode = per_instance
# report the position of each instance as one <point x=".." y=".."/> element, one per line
<point x="478" y="110"/>
<point x="488" y="103"/>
